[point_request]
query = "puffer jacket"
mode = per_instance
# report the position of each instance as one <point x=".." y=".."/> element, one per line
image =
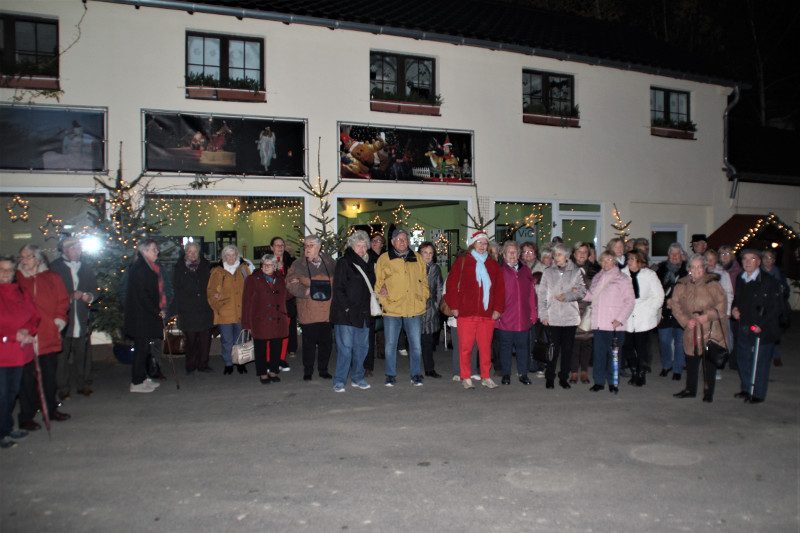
<point x="466" y="296"/>
<point x="707" y="297"/>
<point x="431" y="322"/>
<point x="521" y="309"/>
<point x="17" y="311"/>
<point x="647" y="307"/>
<point x="228" y="307"/>
<point x="554" y="283"/>
<point x="298" y="282"/>
<point x="614" y="302"/>
<point x="406" y="282"/>
<point x="52" y="303"/>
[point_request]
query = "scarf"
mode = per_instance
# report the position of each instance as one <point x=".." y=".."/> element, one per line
<point x="230" y="268"/>
<point x="672" y="272"/>
<point x="162" y="303"/>
<point x="635" y="281"/>
<point x="269" y="279"/>
<point x="192" y="266"/>
<point x="482" y="276"/>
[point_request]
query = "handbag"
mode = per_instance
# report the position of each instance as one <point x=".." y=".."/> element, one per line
<point x="243" y="350"/>
<point x="443" y="307"/>
<point x="716" y="354"/>
<point x="319" y="289"/>
<point x="175" y="342"/>
<point x="543" y="348"/>
<point x="375" y="308"/>
<point x="586" y="318"/>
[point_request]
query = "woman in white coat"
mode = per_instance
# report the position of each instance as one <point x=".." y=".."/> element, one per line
<point x="645" y="316"/>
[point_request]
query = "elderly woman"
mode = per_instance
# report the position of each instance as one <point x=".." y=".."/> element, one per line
<point x="19" y="321"/>
<point x="476" y="295"/>
<point x="431" y="323"/>
<point x="145" y="305"/>
<point x="52" y="303"/>
<point x="285" y="260"/>
<point x="315" y="270"/>
<point x="612" y="300"/>
<point x="649" y="296"/>
<point x="190" y="304"/>
<point x="699" y="305"/>
<point x="582" y="348"/>
<point x="350" y="311"/>
<point x="546" y="256"/>
<point x="512" y="329"/>
<point x="224" y="294"/>
<point x="264" y="315"/>
<point x="561" y="288"/>
<point x="617" y="247"/>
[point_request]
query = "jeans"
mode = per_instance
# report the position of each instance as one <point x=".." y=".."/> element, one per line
<point x="10" y="378"/>
<point x="352" y="344"/>
<point x="413" y="327"/>
<point x="601" y="370"/>
<point x="670" y="342"/>
<point x="745" y="355"/>
<point x="517" y="340"/>
<point x="228" y="333"/>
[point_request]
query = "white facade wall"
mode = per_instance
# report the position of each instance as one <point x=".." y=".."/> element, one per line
<point x="130" y="59"/>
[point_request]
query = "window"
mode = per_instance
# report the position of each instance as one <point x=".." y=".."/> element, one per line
<point x="668" y="108"/>
<point x="402" y="78"/>
<point x="222" y="61"/>
<point x="547" y="93"/>
<point x="28" y="46"/>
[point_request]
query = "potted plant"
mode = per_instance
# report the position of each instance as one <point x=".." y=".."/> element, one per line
<point x="537" y="113"/>
<point x="205" y="86"/>
<point x="664" y="127"/>
<point x="25" y="74"/>
<point x="412" y="103"/>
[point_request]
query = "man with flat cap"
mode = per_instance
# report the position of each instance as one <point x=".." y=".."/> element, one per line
<point x="699" y="243"/>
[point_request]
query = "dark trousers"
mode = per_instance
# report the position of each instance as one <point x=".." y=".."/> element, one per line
<point x="317" y="335"/>
<point x="636" y="350"/>
<point x="198" y="346"/>
<point x="29" y="390"/>
<point x="10" y="379"/>
<point x="267" y="355"/>
<point x="513" y="341"/>
<point x="74" y="363"/>
<point x="292" y="346"/>
<point x="582" y="353"/>
<point x="709" y="375"/>
<point x="428" y="340"/>
<point x="144" y="349"/>
<point x="562" y="337"/>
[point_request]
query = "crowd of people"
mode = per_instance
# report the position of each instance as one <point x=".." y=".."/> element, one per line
<point x="591" y="309"/>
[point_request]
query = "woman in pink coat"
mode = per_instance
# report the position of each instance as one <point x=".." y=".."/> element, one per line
<point x="612" y="300"/>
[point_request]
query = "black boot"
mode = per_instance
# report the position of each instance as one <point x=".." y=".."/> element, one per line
<point x="642" y="378"/>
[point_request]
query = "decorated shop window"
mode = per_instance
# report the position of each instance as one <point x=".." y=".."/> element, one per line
<point x="402" y="78"/>
<point x="28" y="52"/>
<point x="223" y="62"/>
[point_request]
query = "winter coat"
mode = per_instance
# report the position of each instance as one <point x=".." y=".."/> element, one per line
<point x="264" y="307"/>
<point x="77" y="308"/>
<point x="734" y="270"/>
<point x="52" y="303"/>
<point x="725" y="281"/>
<point x="228" y="307"/>
<point x="647" y="307"/>
<point x="615" y="302"/>
<point x="190" y="302"/>
<point x="588" y="270"/>
<point x="291" y="303"/>
<point x="406" y="283"/>
<point x="143" y="302"/>
<point x="351" y="294"/>
<point x="298" y="282"/>
<point x="521" y="309"/>
<point x="431" y="323"/>
<point x="466" y="296"/>
<point x="707" y="297"/>
<point x="554" y="283"/>
<point x="760" y="303"/>
<point x="667" y="320"/>
<point x="17" y="311"/>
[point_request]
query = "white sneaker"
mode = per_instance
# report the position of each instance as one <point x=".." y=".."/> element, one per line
<point x="402" y="352"/>
<point x="488" y="383"/>
<point x="468" y="384"/>
<point x="718" y="376"/>
<point x="141" y="387"/>
<point x="540" y="373"/>
<point x="476" y="377"/>
<point x="456" y="378"/>
<point x="152" y="383"/>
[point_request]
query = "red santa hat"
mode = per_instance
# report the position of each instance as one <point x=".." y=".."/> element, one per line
<point x="348" y="141"/>
<point x="475" y="236"/>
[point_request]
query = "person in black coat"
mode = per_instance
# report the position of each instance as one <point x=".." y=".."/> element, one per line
<point x="350" y="311"/>
<point x="757" y="304"/>
<point x="145" y="303"/>
<point x="190" y="305"/>
<point x="285" y="260"/>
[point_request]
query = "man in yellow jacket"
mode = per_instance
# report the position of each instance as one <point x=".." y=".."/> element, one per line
<point x="402" y="284"/>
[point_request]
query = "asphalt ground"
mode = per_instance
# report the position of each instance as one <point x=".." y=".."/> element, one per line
<point x="225" y="453"/>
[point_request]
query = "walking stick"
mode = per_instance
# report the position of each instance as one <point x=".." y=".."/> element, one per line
<point x="698" y="347"/>
<point x="169" y="352"/>
<point x="42" y="401"/>
<point x="755" y="361"/>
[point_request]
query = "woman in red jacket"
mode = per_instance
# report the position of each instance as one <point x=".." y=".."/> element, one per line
<point x="18" y="322"/>
<point x="476" y="295"/>
<point x="52" y="303"/>
<point x="264" y="314"/>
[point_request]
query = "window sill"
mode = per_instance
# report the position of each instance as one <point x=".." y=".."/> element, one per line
<point x="214" y="93"/>
<point x="407" y="108"/>
<point x="671" y="133"/>
<point x="29" y="82"/>
<point x="551" y="120"/>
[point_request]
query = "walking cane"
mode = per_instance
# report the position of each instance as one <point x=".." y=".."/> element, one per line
<point x="42" y="401"/>
<point x="698" y="347"/>
<point x="169" y="352"/>
<point x="755" y="360"/>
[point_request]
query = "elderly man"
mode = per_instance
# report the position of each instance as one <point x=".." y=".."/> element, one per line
<point x="757" y="306"/>
<point x="699" y="243"/>
<point x="402" y="284"/>
<point x="75" y="358"/>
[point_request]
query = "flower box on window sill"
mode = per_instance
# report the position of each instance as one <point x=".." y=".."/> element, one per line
<point x="673" y="133"/>
<point x="29" y="82"/>
<point x="551" y="120"/>
<point x="214" y="93"/>
<point x="408" y="108"/>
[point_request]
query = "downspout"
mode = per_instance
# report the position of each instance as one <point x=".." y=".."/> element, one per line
<point x="730" y="170"/>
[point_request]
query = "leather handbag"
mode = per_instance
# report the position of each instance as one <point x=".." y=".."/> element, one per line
<point x="375" y="308"/>
<point x="243" y="350"/>
<point x="174" y="341"/>
<point x="543" y="348"/>
<point x="716" y="354"/>
<point x="586" y="320"/>
<point x="319" y="289"/>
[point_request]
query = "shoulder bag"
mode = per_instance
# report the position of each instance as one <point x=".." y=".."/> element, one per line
<point x="374" y="303"/>
<point x="543" y="347"/>
<point x="320" y="289"/>
<point x="718" y="355"/>
<point x="586" y="319"/>
<point x="243" y="351"/>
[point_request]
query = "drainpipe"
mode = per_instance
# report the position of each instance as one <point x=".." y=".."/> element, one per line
<point x="730" y="170"/>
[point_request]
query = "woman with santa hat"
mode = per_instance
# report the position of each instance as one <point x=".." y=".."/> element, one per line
<point x="476" y="295"/>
